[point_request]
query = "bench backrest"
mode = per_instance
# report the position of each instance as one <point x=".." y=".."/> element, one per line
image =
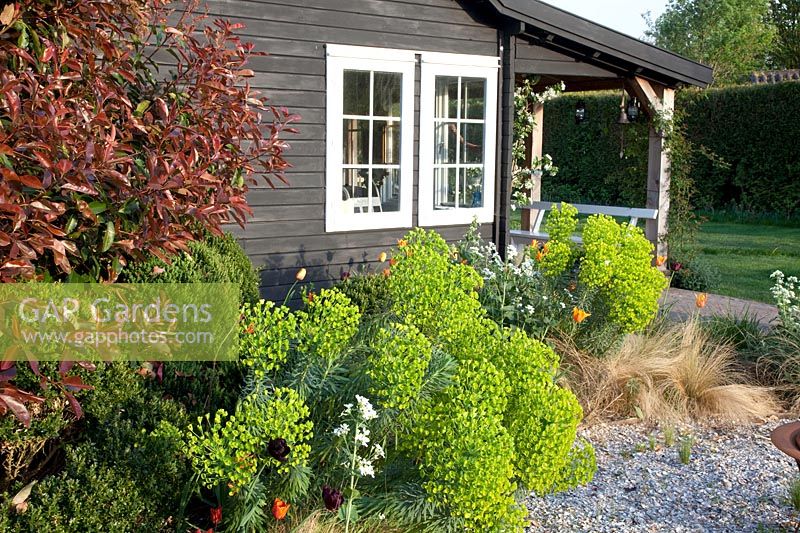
<point x="632" y="213"/>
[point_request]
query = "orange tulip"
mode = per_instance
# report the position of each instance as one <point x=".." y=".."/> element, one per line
<point x="534" y="243"/>
<point x="386" y="272"/>
<point x="382" y="257"/>
<point x="402" y="243"/>
<point x="700" y="300"/>
<point x="579" y="315"/>
<point x="546" y="247"/>
<point x="301" y="274"/>
<point x="392" y="261"/>
<point x="539" y="255"/>
<point x="279" y="509"/>
<point x="310" y="297"/>
<point x="660" y="260"/>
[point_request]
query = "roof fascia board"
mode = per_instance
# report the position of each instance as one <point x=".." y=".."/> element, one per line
<point x="611" y="42"/>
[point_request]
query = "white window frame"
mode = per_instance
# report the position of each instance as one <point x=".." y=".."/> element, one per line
<point x="340" y="58"/>
<point x="468" y="66"/>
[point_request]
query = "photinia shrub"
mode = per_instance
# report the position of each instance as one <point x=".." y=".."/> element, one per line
<point x="104" y="153"/>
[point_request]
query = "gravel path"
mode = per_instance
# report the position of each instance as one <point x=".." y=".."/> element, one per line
<point x="735" y="481"/>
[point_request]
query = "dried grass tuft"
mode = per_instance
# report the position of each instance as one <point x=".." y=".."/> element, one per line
<point x="673" y="373"/>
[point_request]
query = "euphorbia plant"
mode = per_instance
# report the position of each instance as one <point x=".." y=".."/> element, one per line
<point x="105" y="152"/>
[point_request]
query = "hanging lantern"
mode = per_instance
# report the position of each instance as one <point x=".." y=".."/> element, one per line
<point x="633" y="110"/>
<point x="581" y="114"/>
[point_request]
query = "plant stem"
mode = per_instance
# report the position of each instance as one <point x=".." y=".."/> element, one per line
<point x="352" y="484"/>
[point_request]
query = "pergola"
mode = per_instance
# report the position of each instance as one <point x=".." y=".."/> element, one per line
<point x="555" y="45"/>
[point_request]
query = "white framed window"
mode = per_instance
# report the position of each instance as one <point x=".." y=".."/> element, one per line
<point x="458" y="124"/>
<point x="370" y="137"/>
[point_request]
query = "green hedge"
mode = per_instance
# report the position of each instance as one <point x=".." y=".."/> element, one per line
<point x="588" y="155"/>
<point x="746" y="139"/>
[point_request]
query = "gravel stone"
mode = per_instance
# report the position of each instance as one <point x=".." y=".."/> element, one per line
<point x="736" y="481"/>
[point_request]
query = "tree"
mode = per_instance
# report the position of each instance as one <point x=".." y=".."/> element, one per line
<point x="785" y="16"/>
<point x="734" y="37"/>
<point x="107" y="151"/>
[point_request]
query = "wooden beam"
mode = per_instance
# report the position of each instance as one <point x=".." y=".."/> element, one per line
<point x="658" y="173"/>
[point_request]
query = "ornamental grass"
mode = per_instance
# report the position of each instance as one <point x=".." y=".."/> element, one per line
<point x="670" y="373"/>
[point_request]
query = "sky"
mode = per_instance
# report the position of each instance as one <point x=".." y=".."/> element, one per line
<point x="621" y="15"/>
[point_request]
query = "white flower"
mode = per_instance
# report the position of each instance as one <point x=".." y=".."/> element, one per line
<point x="382" y="516"/>
<point x="365" y="467"/>
<point x="344" y="429"/>
<point x="347" y="408"/>
<point x="378" y="449"/>
<point x="362" y="436"/>
<point x="367" y="411"/>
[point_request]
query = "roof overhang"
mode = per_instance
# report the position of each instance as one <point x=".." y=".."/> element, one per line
<point x="593" y="43"/>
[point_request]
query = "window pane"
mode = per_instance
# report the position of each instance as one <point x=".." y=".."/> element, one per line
<point x="471" y="188"/>
<point x="356" y="142"/>
<point x="354" y="190"/>
<point x="444" y="188"/>
<point x="446" y="141"/>
<point x="387" y="94"/>
<point x="472" y="143"/>
<point x="446" y="97"/>
<point x="473" y="96"/>
<point x="356" y="92"/>
<point x="386" y="189"/>
<point x="385" y="142"/>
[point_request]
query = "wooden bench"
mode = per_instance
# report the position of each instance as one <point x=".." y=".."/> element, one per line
<point x="632" y="213"/>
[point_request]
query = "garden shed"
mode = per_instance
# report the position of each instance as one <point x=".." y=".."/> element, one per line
<point x="407" y="118"/>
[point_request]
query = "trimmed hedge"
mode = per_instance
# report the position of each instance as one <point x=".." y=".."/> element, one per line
<point x="590" y="169"/>
<point x="746" y="139"/>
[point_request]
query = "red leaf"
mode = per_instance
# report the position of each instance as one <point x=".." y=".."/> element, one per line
<point x="17" y="407"/>
<point x="75" y="383"/>
<point x="76" y="407"/>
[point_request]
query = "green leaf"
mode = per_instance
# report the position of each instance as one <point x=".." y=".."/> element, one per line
<point x="72" y="223"/>
<point x="23" y="41"/>
<point x="98" y="207"/>
<point x="108" y="238"/>
<point x="141" y="108"/>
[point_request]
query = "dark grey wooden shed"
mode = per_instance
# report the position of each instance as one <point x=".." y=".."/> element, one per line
<point x="407" y="117"/>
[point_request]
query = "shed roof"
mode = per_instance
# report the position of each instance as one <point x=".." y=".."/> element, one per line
<point x="593" y="43"/>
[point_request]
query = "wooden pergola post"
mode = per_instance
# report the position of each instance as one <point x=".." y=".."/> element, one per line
<point x="533" y="150"/>
<point x="658" y="100"/>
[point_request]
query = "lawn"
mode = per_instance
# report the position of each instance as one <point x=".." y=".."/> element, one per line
<point x="746" y="255"/>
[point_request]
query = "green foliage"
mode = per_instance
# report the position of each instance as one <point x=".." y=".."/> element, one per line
<point x="731" y="36"/>
<point x="130" y="446"/>
<point x="794" y="494"/>
<point x="402" y="355"/>
<point x="370" y="292"/>
<point x="452" y="442"/>
<point x="618" y="264"/>
<point x="231" y="449"/>
<point x="541" y="417"/>
<point x="696" y="274"/>
<point x="499" y="388"/>
<point x="600" y="161"/>
<point x="559" y="250"/>
<point x="212" y="260"/>
<point x="265" y="335"/>
<point x="685" y="449"/>
<point x="750" y="131"/>
<point x="740" y="150"/>
<point x="784" y="15"/>
<point x="327" y="324"/>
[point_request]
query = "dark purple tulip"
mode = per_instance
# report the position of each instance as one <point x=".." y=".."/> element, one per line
<point x="278" y="449"/>
<point x="333" y="498"/>
<point x="676" y="266"/>
<point x="345" y="275"/>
